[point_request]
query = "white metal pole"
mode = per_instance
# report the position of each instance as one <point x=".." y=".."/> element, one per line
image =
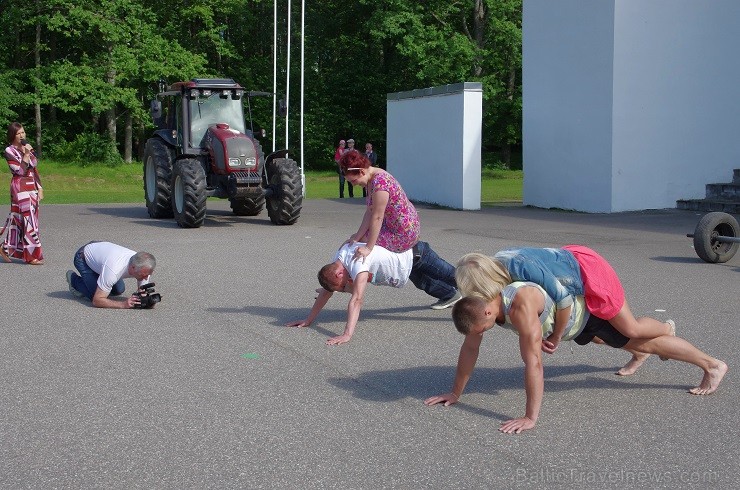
<point x="287" y="79"/>
<point x="274" y="73"/>
<point x="303" y="70"/>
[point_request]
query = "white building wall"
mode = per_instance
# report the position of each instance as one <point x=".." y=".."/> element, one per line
<point x="434" y="140"/>
<point x="628" y="104"/>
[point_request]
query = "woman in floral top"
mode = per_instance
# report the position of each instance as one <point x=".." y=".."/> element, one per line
<point x="390" y="219"/>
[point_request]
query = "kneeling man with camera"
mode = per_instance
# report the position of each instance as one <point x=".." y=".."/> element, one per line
<point x="103" y="266"/>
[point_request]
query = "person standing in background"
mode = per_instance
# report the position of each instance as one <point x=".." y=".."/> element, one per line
<point x="341" y="150"/>
<point x="373" y="157"/>
<point x="350" y="147"/>
<point x="370" y="154"/>
<point x="22" y="225"/>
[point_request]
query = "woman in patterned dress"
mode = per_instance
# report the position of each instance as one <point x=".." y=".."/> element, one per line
<point x="390" y="219"/>
<point x="22" y="225"/>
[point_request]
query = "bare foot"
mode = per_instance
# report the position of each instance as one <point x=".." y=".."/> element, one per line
<point x="634" y="364"/>
<point x="711" y="380"/>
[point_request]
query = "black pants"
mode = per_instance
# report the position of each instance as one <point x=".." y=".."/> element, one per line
<point x="350" y="188"/>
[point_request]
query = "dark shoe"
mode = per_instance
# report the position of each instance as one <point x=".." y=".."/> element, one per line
<point x="72" y="288"/>
<point x="446" y="303"/>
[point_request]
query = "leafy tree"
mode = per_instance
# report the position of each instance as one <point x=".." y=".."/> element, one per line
<point x="443" y="42"/>
<point x="91" y="66"/>
<point x="114" y="74"/>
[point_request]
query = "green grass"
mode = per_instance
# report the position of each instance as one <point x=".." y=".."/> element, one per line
<point x="497" y="186"/>
<point x="322" y="184"/>
<point x="501" y="186"/>
<point x="72" y="184"/>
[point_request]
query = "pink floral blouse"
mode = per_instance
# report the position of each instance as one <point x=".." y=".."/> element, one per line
<point x="400" y="229"/>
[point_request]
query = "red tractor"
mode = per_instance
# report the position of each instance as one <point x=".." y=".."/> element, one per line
<point x="202" y="148"/>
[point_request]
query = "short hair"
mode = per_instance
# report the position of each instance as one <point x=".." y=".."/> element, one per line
<point x="350" y="140"/>
<point x="481" y="276"/>
<point x="354" y="159"/>
<point x="326" y="277"/>
<point x="13" y="129"/>
<point x="142" y="260"/>
<point x="467" y="313"/>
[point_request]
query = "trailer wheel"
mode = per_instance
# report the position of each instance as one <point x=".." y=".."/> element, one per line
<point x="711" y="226"/>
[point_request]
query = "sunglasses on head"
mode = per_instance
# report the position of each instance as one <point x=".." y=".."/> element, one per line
<point x="354" y="169"/>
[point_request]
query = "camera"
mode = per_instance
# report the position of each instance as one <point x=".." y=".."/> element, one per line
<point x="147" y="297"/>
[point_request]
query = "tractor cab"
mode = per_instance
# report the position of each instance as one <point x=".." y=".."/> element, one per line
<point x="194" y="106"/>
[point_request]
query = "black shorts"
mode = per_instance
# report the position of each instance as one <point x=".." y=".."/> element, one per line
<point x="597" y="327"/>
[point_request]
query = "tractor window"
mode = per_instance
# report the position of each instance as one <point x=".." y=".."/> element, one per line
<point x="178" y="119"/>
<point x="168" y="113"/>
<point x="206" y="111"/>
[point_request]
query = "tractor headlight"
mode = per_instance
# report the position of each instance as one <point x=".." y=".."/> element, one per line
<point x="234" y="162"/>
<point x="250" y="162"/>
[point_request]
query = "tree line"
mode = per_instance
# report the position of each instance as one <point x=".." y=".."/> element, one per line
<point x="79" y="74"/>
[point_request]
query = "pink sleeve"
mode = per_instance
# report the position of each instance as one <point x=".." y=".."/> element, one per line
<point x="14" y="162"/>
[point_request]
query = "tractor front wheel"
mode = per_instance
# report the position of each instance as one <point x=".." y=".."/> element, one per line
<point x="158" y="159"/>
<point x="189" y="193"/>
<point x="285" y="203"/>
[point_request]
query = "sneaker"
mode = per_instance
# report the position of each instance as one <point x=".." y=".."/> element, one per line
<point x="71" y="288"/>
<point x="446" y="303"/>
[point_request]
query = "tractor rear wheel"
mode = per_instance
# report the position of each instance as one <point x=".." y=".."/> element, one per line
<point x="248" y="206"/>
<point x="189" y="193"/>
<point x="285" y="203"/>
<point x="158" y="158"/>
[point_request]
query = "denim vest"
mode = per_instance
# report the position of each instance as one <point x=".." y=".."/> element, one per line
<point x="554" y="269"/>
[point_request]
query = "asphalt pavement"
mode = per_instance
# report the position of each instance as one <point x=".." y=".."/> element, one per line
<point x="210" y="390"/>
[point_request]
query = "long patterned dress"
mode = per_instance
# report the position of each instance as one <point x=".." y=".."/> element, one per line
<point x="22" y="225"/>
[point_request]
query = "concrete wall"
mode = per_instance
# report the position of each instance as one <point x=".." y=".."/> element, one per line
<point x="628" y="104"/>
<point x="434" y="143"/>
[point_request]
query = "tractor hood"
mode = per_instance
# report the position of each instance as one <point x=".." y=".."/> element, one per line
<point x="230" y="150"/>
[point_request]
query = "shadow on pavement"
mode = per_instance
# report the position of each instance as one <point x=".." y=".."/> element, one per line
<point x="425" y="381"/>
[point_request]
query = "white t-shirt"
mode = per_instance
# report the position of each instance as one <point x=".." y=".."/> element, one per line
<point x="386" y="268"/>
<point x="111" y="262"/>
